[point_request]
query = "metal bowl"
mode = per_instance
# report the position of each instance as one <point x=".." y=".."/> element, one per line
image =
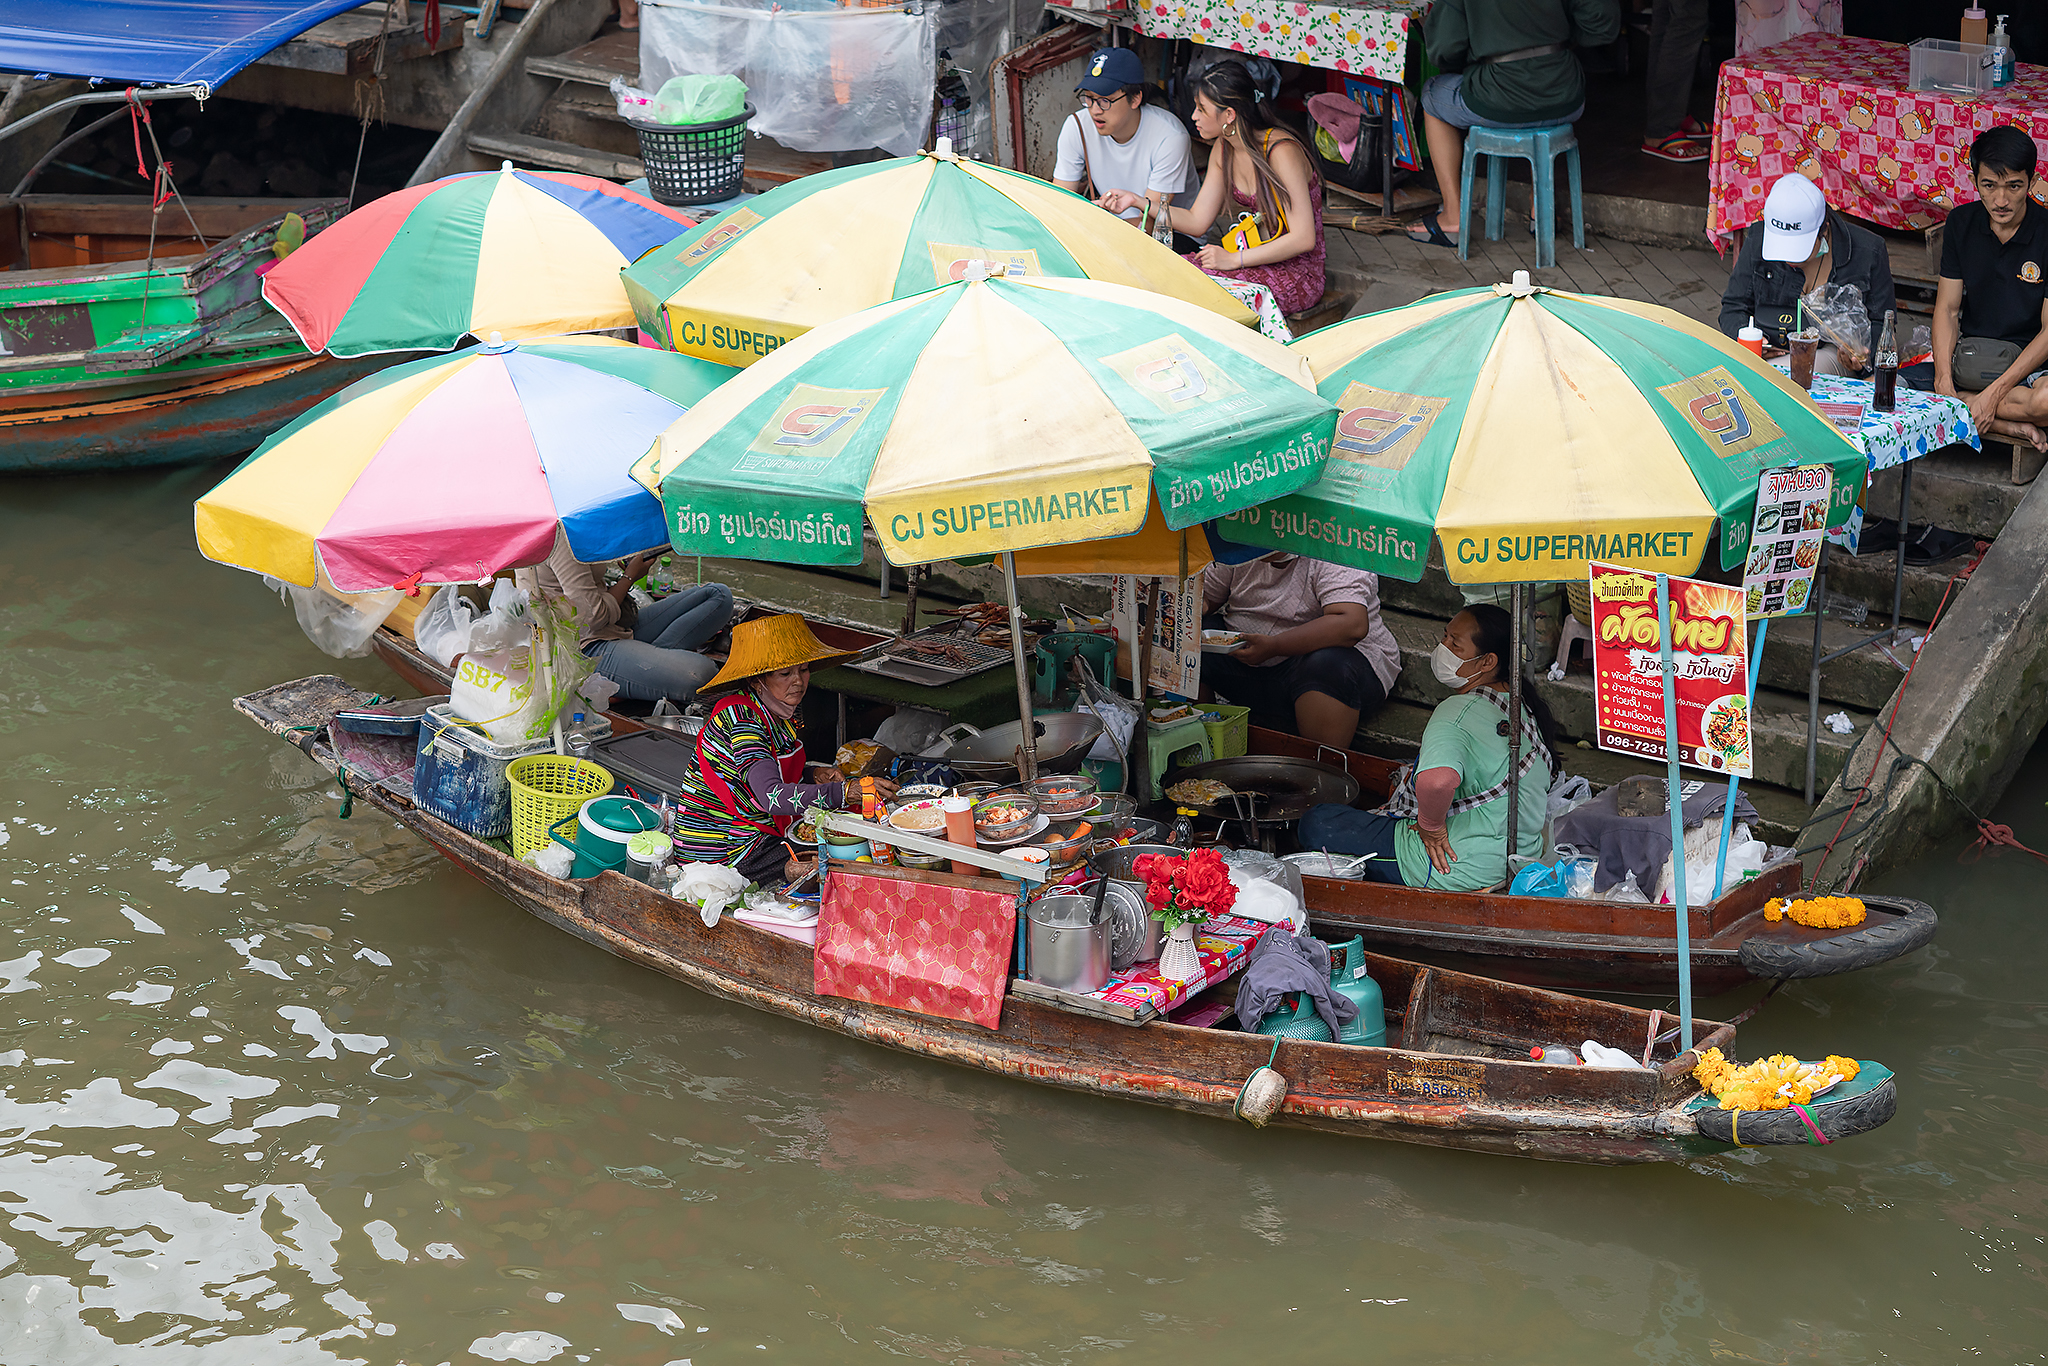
<point x="1007" y="829"/>
<point x="974" y="792"/>
<point x="1066" y="843"/>
<point x="1114" y="807"/>
<point x="1061" y="795"/>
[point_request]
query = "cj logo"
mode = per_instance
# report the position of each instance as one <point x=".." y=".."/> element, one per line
<point x="1730" y="424"/>
<point x="1176" y="376"/>
<point x="813" y="423"/>
<point x="1374" y="431"/>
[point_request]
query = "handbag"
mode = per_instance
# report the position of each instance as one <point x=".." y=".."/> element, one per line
<point x="1979" y="361"/>
<point x="1243" y="235"/>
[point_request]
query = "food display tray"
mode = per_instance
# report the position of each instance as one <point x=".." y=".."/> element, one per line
<point x="939" y="656"/>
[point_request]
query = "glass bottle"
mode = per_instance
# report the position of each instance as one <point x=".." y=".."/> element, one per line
<point x="1886" y="361"/>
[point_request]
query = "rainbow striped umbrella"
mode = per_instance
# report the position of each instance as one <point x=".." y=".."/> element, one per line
<point x="519" y="253"/>
<point x="826" y="246"/>
<point x="1534" y="431"/>
<point x="448" y="469"/>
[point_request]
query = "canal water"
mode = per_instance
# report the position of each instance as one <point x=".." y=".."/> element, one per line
<point x="277" y="1086"/>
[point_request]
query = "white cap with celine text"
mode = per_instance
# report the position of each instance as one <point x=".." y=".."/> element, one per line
<point x="1792" y="218"/>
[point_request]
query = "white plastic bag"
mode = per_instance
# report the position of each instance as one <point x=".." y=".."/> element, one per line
<point x="910" y="730"/>
<point x="340" y="624"/>
<point x="632" y="101"/>
<point x="442" y="629"/>
<point x="712" y="886"/>
<point x="494" y="691"/>
<point x="1626" y="889"/>
<point x="1597" y="1054"/>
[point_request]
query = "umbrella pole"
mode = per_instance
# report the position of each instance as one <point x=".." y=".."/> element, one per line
<point x="1756" y="660"/>
<point x="1677" y="809"/>
<point x="1514" y="731"/>
<point x="1027" y="770"/>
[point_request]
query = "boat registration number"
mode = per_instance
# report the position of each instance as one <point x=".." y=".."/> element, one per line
<point x="1438" y="1079"/>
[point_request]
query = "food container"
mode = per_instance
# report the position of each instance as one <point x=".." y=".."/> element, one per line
<point x="919" y="791"/>
<point x="1063" y="794"/>
<point x="1063" y="949"/>
<point x="647" y="855"/>
<point x="1066" y="842"/>
<point x="843" y="850"/>
<point x="931" y="863"/>
<point x="921" y="816"/>
<point x="1005" y="817"/>
<point x="1316" y="863"/>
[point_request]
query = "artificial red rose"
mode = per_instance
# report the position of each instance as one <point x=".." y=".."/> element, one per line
<point x="1206" y="882"/>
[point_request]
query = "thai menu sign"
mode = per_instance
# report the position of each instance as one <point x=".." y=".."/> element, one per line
<point x="1785" y="538"/>
<point x="1710" y="667"/>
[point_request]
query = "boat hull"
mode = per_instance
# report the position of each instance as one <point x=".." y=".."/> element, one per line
<point x="183" y="423"/>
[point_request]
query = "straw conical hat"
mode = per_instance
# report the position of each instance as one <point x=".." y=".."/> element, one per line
<point x="768" y="644"/>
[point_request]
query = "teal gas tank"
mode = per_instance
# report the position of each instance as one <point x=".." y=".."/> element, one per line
<point x="1348" y="977"/>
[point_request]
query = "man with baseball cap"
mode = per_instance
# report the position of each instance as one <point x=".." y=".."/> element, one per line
<point x="1119" y="142"/>
<point x="1799" y="246"/>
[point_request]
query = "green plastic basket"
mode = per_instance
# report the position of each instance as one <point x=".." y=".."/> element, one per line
<point x="1230" y="738"/>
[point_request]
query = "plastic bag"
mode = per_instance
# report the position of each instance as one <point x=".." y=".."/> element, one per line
<point x="712" y="887"/>
<point x="633" y="102"/>
<point x="1626" y="889"/>
<point x="1838" y="311"/>
<point x="508" y="620"/>
<point x="442" y="629"/>
<point x="700" y="99"/>
<point x="1578" y="878"/>
<point x="910" y="730"/>
<point x="1539" y="879"/>
<point x="340" y="624"/>
<point x="501" y="685"/>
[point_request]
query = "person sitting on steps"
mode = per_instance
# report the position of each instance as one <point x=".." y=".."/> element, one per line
<point x="1508" y="64"/>
<point x="1993" y="292"/>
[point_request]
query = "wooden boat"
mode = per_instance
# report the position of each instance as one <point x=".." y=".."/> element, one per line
<point x="1555" y="942"/>
<point x="1460" y="1078"/>
<point x="120" y="350"/>
<point x="1597" y="945"/>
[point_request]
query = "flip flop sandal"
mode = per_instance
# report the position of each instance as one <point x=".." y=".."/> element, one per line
<point x="1936" y="544"/>
<point x="1677" y="147"/>
<point x="1436" y="236"/>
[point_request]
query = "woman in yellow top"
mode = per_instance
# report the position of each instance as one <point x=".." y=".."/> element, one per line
<point x="1256" y="164"/>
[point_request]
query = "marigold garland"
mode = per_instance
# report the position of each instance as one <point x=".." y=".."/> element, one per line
<point x="1817" y="913"/>
<point x="1769" y="1083"/>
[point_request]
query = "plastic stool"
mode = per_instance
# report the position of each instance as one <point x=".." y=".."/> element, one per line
<point x="1163" y="742"/>
<point x="1540" y="148"/>
<point x="1572" y="629"/>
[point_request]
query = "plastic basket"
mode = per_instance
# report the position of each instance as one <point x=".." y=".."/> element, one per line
<point x="1580" y="597"/>
<point x="694" y="163"/>
<point x="545" y="788"/>
<point x="1231" y="737"/>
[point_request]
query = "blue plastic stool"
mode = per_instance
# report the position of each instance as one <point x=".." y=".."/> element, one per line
<point x="1540" y="148"/>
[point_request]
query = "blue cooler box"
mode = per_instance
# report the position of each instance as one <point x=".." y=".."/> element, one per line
<point x="460" y="775"/>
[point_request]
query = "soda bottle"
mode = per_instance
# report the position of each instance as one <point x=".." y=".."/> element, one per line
<point x="1556" y="1053"/>
<point x="1887" y="365"/>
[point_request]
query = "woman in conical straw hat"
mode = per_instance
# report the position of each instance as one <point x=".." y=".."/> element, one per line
<point x="748" y="786"/>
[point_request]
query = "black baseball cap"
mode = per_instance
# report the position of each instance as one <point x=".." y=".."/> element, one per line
<point x="1112" y="69"/>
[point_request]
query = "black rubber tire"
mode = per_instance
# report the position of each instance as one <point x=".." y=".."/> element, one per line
<point x="1863" y="947"/>
<point x="1838" y="1119"/>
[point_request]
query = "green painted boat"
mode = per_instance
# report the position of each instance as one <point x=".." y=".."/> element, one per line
<point x="131" y="336"/>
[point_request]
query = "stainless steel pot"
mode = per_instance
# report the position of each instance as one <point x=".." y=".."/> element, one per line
<point x="1063" y="949"/>
<point x="1063" y="741"/>
<point x="1139" y="937"/>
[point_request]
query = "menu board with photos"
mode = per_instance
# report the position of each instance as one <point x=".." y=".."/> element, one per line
<point x="1785" y="539"/>
<point x="1709" y="669"/>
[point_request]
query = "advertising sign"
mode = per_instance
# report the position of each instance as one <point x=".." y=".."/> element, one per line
<point x="1710" y="666"/>
<point x="1785" y="538"/>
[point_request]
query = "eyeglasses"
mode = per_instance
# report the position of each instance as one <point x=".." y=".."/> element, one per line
<point x="1101" y="104"/>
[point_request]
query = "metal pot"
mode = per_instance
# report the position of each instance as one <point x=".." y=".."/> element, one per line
<point x="1063" y="741"/>
<point x="1063" y="949"/>
<point x="1140" y="938"/>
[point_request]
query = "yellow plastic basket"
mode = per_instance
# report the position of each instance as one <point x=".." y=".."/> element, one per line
<point x="547" y="788"/>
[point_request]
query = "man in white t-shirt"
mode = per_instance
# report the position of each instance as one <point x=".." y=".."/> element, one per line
<point x="1119" y="142"/>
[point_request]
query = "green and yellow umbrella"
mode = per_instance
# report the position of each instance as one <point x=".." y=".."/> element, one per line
<point x="990" y="416"/>
<point x="818" y="249"/>
<point x="1535" y="431"/>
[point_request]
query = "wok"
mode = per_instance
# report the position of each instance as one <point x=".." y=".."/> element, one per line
<point x="1270" y="788"/>
<point x="1063" y="741"/>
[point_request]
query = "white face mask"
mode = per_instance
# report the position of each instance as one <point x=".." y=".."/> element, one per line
<point x="1444" y="664"/>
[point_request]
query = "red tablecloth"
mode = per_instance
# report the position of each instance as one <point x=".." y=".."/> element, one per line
<point x="1837" y="109"/>
<point x="933" y="947"/>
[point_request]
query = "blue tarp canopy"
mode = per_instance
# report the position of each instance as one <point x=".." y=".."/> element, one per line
<point x="151" y="42"/>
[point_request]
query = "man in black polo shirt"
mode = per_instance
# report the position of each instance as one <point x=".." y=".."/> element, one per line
<point x="1994" y="287"/>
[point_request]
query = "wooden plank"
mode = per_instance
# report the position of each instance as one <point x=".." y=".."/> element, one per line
<point x="1415" y="1019"/>
<point x="522" y="150"/>
<point x="346" y="45"/>
<point x="595" y="63"/>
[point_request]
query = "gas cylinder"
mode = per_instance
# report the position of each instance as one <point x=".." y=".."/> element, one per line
<point x="1348" y="978"/>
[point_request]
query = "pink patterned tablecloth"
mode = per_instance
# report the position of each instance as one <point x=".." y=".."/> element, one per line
<point x="1365" y="40"/>
<point x="1837" y="109"/>
<point x="1223" y="943"/>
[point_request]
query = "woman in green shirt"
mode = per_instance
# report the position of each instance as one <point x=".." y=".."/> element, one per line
<point x="1446" y="824"/>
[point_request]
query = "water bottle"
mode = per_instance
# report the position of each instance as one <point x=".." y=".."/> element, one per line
<point x="1886" y="362"/>
<point x="576" y="737"/>
<point x="1556" y="1053"/>
<point x="665" y="574"/>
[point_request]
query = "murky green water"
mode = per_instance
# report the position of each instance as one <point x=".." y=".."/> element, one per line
<point x="278" y="1087"/>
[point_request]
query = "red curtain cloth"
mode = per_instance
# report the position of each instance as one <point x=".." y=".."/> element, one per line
<point x="937" y="946"/>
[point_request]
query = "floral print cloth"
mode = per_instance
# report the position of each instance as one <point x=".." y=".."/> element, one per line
<point x="1838" y="110"/>
<point x="1366" y="40"/>
<point x="1223" y="943"/>
<point x="1921" y="423"/>
<point x="1259" y="299"/>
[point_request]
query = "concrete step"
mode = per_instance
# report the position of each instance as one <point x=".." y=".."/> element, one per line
<point x="585" y="116"/>
<point x="1957" y="488"/>
<point x="595" y="63"/>
<point x="551" y="155"/>
<point x="1778" y="724"/>
<point x="1396" y="733"/>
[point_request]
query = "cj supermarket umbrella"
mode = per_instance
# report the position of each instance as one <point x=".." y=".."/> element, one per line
<point x="1534" y="431"/>
<point x="987" y="417"/>
<point x="450" y="468"/>
<point x="828" y="245"/>
<point x="520" y="253"/>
